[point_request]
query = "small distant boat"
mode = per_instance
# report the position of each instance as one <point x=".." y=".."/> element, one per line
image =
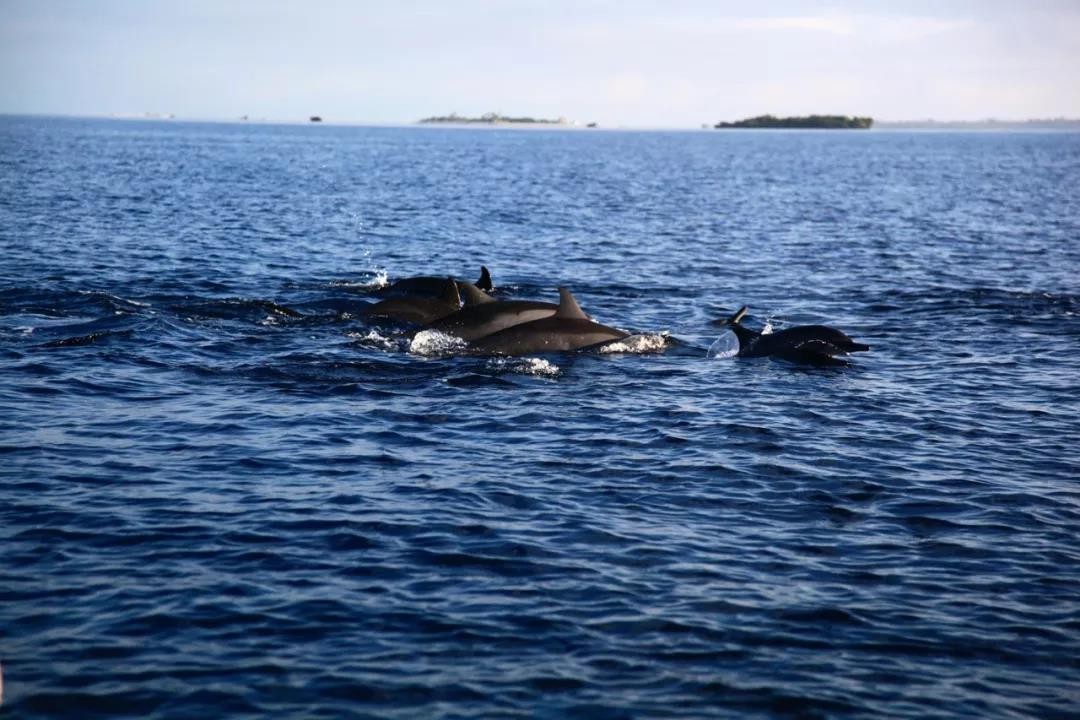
<point x="315" y="118"/>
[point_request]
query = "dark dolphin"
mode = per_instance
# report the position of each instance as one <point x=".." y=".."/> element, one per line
<point x="568" y="329"/>
<point x="417" y="309"/>
<point x="429" y="286"/>
<point x="814" y="344"/>
<point x="483" y="315"/>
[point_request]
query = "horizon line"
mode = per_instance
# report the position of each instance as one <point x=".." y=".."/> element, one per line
<point x="569" y="125"/>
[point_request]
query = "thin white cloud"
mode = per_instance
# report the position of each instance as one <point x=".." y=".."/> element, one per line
<point x="835" y="25"/>
<point x="908" y="29"/>
<point x="890" y="27"/>
<point x="886" y="27"/>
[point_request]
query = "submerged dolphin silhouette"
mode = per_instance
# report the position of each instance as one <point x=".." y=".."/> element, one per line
<point x="815" y="344"/>
<point x="430" y="286"/>
<point x="418" y="309"/>
<point x="568" y="329"/>
<point x="483" y="315"/>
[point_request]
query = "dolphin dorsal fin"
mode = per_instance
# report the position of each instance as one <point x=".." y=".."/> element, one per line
<point x="738" y="316"/>
<point x="450" y="292"/>
<point x="568" y="307"/>
<point x="472" y="294"/>
<point x="484" y="283"/>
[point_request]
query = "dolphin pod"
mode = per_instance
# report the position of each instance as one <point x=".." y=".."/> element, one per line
<point x="491" y="326"/>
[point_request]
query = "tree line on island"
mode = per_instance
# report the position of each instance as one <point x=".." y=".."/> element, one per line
<point x="828" y="122"/>
<point x="492" y="118"/>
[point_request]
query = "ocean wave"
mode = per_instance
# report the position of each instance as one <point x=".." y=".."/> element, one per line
<point x="639" y="344"/>
<point x="225" y="494"/>
<point x="537" y="367"/>
<point x="435" y="343"/>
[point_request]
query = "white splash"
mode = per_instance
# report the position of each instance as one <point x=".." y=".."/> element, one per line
<point x="372" y="337"/>
<point x="270" y="320"/>
<point x="433" y="342"/>
<point x="537" y="367"/>
<point x="767" y="330"/>
<point x="380" y="280"/>
<point x="541" y="367"/>
<point x="725" y="346"/>
<point x="638" y="344"/>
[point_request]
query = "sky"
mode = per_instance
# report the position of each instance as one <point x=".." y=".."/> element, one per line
<point x="622" y="63"/>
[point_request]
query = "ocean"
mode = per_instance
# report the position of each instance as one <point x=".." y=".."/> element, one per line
<point x="225" y="494"/>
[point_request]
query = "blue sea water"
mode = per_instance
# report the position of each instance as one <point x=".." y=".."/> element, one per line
<point x="223" y="494"/>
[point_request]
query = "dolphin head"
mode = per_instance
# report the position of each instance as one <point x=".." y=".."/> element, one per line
<point x="836" y="338"/>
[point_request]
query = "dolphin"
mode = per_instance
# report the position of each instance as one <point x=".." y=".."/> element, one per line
<point x="568" y="329"/>
<point x="483" y="315"/>
<point x="418" y="309"/>
<point x="430" y="286"/>
<point x="814" y="344"/>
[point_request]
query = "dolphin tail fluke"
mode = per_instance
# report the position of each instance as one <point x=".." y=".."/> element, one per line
<point x="484" y="283"/>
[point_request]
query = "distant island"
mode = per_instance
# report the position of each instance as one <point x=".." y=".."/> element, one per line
<point x="493" y="118"/>
<point x="827" y="122"/>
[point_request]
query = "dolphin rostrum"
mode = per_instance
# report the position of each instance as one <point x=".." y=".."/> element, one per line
<point x="418" y="309"/>
<point x="568" y="329"/>
<point x="815" y="344"/>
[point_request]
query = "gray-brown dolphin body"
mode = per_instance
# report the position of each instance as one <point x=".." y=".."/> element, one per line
<point x="568" y="329"/>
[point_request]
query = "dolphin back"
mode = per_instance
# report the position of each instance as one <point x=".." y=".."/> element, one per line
<point x="569" y="328"/>
<point x="473" y="322"/>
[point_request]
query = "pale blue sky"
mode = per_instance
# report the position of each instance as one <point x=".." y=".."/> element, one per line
<point x="635" y="64"/>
